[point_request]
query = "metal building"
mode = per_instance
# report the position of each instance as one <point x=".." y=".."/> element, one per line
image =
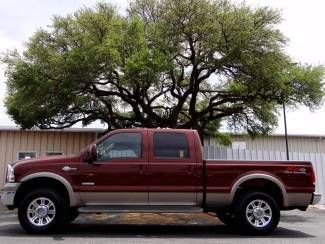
<point x="16" y="144"/>
<point x="297" y="143"/>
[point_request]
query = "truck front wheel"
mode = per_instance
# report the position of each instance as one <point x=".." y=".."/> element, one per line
<point x="42" y="211"/>
<point x="258" y="213"/>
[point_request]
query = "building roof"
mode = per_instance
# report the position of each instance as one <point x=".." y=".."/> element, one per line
<point x="16" y="128"/>
<point x="289" y="135"/>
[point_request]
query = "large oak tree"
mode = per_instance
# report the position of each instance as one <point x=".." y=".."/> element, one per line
<point x="165" y="63"/>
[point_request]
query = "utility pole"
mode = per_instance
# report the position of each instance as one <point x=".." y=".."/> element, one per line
<point x="285" y="130"/>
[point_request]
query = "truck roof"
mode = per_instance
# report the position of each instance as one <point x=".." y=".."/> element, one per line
<point x="155" y="129"/>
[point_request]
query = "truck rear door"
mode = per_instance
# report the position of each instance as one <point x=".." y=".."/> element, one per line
<point x="173" y="178"/>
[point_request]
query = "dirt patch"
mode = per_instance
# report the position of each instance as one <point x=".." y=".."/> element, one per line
<point x="157" y="218"/>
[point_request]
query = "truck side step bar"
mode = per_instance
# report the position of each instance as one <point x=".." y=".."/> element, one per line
<point x="140" y="209"/>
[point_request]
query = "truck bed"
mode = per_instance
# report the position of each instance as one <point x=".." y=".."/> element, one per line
<point x="225" y="177"/>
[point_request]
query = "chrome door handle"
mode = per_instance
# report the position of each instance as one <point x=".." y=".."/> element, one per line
<point x="68" y="168"/>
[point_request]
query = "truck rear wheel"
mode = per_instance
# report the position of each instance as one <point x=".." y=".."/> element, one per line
<point x="258" y="213"/>
<point x="42" y="211"/>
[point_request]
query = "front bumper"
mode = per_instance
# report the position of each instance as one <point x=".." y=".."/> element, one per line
<point x="316" y="198"/>
<point x="8" y="194"/>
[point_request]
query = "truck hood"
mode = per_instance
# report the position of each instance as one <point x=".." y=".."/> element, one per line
<point x="46" y="159"/>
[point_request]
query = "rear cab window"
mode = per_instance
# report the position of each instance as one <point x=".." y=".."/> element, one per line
<point x="170" y="145"/>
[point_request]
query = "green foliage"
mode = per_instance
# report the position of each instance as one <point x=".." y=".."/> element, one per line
<point x="167" y="63"/>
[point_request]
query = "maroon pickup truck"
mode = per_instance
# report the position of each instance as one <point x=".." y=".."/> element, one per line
<point x="155" y="170"/>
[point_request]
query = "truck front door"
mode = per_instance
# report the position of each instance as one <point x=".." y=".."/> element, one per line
<point x="119" y="175"/>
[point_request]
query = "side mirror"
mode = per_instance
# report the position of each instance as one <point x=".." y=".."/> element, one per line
<point x="90" y="154"/>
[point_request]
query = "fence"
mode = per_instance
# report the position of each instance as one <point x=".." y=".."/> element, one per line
<point x="317" y="159"/>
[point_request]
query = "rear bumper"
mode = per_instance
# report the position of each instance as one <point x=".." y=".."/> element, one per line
<point x="8" y="194"/>
<point x="315" y="198"/>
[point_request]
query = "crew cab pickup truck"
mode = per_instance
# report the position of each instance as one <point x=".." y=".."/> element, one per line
<point x="155" y="170"/>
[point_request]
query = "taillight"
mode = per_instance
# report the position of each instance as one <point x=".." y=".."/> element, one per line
<point x="313" y="176"/>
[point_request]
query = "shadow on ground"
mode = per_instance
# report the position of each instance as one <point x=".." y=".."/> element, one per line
<point x="296" y="219"/>
<point x="148" y="231"/>
<point x="152" y="226"/>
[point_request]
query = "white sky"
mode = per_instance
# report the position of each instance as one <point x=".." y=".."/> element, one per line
<point x="303" y="24"/>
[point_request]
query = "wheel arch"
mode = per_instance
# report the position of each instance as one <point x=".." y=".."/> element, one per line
<point x="258" y="176"/>
<point x="59" y="181"/>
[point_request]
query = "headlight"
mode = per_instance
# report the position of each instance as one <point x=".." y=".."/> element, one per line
<point x="10" y="174"/>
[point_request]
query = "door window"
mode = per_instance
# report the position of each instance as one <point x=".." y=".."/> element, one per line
<point x="170" y="145"/>
<point x="121" y="145"/>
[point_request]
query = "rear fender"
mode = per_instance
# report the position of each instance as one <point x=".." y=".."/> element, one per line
<point x="252" y="176"/>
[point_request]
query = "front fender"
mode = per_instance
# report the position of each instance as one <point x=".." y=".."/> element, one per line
<point x="73" y="197"/>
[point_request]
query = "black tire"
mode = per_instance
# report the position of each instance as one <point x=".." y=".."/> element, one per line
<point x="251" y="223"/>
<point x="58" y="219"/>
<point x="73" y="214"/>
<point x="226" y="216"/>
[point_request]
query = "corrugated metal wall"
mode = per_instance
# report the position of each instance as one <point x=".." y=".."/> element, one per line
<point x="317" y="159"/>
<point x="302" y="144"/>
<point x="13" y="141"/>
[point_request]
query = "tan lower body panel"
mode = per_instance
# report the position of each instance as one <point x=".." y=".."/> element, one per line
<point x="141" y="198"/>
<point x="218" y="199"/>
<point x="173" y="198"/>
<point x="297" y="199"/>
<point x="176" y="198"/>
<point x="139" y="209"/>
<point x="291" y="199"/>
<point x="114" y="198"/>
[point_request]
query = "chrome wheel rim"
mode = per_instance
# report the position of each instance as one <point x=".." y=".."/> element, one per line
<point x="258" y="213"/>
<point x="41" y="211"/>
